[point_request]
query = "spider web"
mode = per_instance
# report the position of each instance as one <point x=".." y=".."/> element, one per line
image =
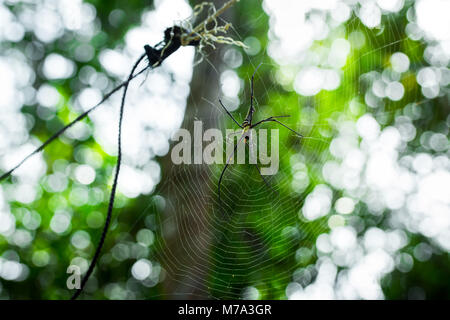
<point x="253" y="247"/>
<point x="254" y="226"/>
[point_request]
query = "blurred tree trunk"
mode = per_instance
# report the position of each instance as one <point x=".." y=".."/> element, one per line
<point x="186" y="219"/>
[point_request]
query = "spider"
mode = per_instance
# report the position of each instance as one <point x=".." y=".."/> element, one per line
<point x="246" y="126"/>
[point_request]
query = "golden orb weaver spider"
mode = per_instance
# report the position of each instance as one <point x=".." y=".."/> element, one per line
<point x="246" y="126"/>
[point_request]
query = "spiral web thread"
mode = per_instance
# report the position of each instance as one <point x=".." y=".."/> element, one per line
<point x="245" y="244"/>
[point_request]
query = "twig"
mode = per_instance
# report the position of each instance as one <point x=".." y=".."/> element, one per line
<point x="155" y="58"/>
<point x="206" y="36"/>
<point x="214" y="16"/>
<point x="62" y="130"/>
<point x="114" y="186"/>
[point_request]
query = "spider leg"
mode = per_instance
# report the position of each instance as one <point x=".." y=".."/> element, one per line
<point x="279" y="122"/>
<point x="228" y="112"/>
<point x="264" y="179"/>
<point x="259" y="122"/>
<point x="226" y="166"/>
<point x="269" y="119"/>
<point x="250" y="145"/>
<point x="286" y="116"/>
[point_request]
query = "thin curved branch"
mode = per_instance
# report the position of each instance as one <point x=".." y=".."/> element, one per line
<point x="79" y="118"/>
<point x="155" y="58"/>
<point x="114" y="187"/>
